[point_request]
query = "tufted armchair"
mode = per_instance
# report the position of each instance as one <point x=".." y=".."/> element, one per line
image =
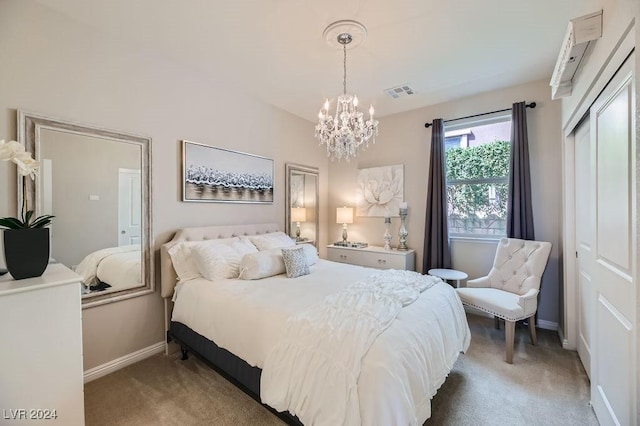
<point x="510" y="291"/>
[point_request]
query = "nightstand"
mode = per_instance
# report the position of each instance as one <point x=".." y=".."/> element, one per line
<point x="373" y="257"/>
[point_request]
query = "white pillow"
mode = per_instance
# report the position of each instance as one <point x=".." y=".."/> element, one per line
<point x="183" y="261"/>
<point x="262" y="264"/>
<point x="311" y="253"/>
<point x="216" y="262"/>
<point x="245" y="246"/>
<point x="272" y="240"/>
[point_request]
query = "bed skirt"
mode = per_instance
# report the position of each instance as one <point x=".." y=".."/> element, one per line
<point x="236" y="370"/>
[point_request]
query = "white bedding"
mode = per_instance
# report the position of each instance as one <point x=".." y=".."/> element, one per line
<point x="121" y="270"/>
<point x="120" y="267"/>
<point x="400" y="373"/>
<point x="313" y="370"/>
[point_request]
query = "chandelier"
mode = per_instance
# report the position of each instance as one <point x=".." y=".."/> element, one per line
<point x="346" y="131"/>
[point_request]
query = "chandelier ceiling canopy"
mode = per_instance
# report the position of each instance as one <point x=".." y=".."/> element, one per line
<point x="346" y="131"/>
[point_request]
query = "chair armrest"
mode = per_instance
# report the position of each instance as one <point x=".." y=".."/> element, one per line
<point x="479" y="282"/>
<point x="529" y="301"/>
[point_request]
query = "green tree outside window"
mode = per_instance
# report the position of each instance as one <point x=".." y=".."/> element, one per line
<point x="477" y="189"/>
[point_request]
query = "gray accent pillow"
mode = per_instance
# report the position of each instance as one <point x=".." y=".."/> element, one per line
<point x="295" y="262"/>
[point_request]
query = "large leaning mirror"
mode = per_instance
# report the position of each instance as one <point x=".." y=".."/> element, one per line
<point x="96" y="183"/>
<point x="301" y="203"/>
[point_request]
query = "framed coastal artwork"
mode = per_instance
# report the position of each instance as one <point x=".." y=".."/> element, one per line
<point x="380" y="191"/>
<point x="211" y="174"/>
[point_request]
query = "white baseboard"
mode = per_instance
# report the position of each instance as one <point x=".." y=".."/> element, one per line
<point x="118" y="363"/>
<point x="564" y="340"/>
<point x="547" y="325"/>
<point x="543" y="324"/>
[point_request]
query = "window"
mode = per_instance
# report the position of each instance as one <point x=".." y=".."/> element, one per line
<point x="477" y="167"/>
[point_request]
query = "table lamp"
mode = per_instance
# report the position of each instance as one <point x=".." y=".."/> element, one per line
<point x="344" y="215"/>
<point x="298" y="214"/>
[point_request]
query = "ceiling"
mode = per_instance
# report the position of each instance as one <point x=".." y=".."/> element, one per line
<point x="274" y="49"/>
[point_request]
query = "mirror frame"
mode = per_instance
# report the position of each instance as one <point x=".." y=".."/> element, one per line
<point x="29" y="128"/>
<point x="292" y="167"/>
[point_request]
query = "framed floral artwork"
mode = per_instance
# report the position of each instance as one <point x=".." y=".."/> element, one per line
<point x="380" y="191"/>
<point x="219" y="175"/>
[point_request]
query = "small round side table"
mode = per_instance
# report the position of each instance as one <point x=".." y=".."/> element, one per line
<point x="449" y="274"/>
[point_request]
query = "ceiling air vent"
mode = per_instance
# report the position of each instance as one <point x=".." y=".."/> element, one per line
<point x="399" y="91"/>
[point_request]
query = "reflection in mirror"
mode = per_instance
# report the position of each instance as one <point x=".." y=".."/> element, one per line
<point x="301" y="211"/>
<point x="96" y="184"/>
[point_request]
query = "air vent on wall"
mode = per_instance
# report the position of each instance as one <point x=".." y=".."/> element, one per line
<point x="580" y="33"/>
<point x="399" y="91"/>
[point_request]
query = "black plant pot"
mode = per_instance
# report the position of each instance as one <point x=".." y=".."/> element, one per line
<point x="26" y="252"/>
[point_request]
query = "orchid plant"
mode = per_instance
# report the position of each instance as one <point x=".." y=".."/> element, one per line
<point x="27" y="168"/>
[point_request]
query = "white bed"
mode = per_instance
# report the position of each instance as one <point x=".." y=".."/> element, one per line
<point x="119" y="267"/>
<point x="400" y="372"/>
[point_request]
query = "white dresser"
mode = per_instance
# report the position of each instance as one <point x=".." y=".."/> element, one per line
<point x="373" y="257"/>
<point x="41" y="357"/>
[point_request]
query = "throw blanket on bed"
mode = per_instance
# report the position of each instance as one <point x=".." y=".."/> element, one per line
<point x="313" y="370"/>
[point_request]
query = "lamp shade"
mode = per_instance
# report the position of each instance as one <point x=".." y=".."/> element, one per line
<point x="298" y="214"/>
<point x="344" y="215"/>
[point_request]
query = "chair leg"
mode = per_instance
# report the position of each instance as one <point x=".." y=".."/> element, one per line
<point x="532" y="330"/>
<point x="496" y="322"/>
<point x="510" y="328"/>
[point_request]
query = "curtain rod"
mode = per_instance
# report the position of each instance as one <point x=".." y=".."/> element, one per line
<point x="529" y="105"/>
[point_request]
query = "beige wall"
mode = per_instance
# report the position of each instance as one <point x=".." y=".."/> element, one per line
<point x="57" y="67"/>
<point x="404" y="140"/>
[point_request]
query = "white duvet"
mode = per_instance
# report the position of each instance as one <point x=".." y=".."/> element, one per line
<point x="121" y="270"/>
<point x="400" y="372"/>
<point x="88" y="267"/>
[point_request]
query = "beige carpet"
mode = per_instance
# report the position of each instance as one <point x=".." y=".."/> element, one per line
<point x="546" y="385"/>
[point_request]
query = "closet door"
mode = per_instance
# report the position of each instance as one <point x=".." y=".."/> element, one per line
<point x="584" y="242"/>
<point x="614" y="214"/>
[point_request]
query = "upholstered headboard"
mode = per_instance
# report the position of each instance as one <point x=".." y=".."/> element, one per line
<point x="168" y="277"/>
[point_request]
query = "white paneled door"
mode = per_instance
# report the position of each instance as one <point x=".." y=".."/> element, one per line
<point x="584" y="242"/>
<point x="614" y="253"/>
<point x="129" y="207"/>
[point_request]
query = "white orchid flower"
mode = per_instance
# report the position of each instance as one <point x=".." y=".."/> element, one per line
<point x="14" y="151"/>
<point x="9" y="149"/>
<point x="27" y="167"/>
